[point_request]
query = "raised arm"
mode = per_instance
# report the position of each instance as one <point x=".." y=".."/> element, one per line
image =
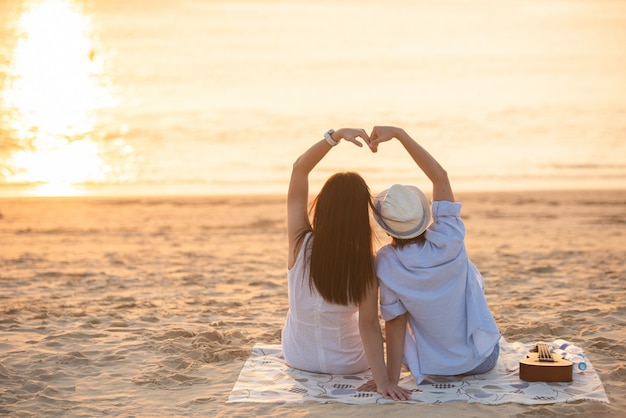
<point x="433" y="170"/>
<point x="297" y="196"/>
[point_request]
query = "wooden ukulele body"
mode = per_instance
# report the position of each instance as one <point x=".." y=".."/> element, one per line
<point x="545" y="367"/>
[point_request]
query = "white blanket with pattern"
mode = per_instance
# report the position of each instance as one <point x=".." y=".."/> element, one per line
<point x="266" y="378"/>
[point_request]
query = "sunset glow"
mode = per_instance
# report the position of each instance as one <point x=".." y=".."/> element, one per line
<point x="205" y="97"/>
<point x="55" y="86"/>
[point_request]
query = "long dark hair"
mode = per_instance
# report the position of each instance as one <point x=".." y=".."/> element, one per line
<point x="342" y="257"/>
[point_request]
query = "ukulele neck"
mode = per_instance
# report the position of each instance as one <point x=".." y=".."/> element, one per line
<point x="543" y="352"/>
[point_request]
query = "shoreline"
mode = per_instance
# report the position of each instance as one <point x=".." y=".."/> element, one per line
<point x="276" y="195"/>
<point x="518" y="185"/>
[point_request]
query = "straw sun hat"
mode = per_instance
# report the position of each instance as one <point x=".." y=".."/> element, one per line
<point x="403" y="211"/>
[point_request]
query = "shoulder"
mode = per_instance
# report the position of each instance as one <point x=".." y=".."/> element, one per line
<point x="384" y="251"/>
<point x="443" y="208"/>
<point x="298" y="248"/>
<point x="386" y="257"/>
<point x="447" y="222"/>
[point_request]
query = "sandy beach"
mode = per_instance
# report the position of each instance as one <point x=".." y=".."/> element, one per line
<point x="150" y="306"/>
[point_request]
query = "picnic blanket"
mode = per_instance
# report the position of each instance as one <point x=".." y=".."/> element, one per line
<point x="266" y="378"/>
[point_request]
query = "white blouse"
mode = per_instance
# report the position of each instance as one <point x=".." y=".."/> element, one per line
<point x="319" y="336"/>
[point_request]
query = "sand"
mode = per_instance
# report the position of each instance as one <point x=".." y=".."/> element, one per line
<point x="150" y="306"/>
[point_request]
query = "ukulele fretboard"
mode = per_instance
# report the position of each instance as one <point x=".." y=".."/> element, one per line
<point x="544" y="353"/>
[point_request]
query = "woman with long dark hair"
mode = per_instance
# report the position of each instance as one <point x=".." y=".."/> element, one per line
<point x="332" y="324"/>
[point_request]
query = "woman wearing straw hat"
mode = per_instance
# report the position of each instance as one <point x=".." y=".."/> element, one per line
<point x="332" y="323"/>
<point x="431" y="295"/>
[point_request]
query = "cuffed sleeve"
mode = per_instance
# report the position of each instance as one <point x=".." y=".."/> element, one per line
<point x="392" y="310"/>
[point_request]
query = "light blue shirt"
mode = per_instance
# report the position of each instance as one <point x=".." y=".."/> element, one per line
<point x="450" y="329"/>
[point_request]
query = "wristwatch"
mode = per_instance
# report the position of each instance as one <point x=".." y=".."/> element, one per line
<point x="329" y="138"/>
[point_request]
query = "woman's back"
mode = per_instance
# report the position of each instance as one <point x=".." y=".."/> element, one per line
<point x="319" y="336"/>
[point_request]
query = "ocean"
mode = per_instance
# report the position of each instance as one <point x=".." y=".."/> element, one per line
<point x="216" y="97"/>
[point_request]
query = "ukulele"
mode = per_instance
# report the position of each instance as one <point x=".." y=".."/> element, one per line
<point x="540" y="365"/>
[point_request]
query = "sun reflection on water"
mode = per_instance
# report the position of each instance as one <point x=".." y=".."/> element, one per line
<point x="55" y="86"/>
